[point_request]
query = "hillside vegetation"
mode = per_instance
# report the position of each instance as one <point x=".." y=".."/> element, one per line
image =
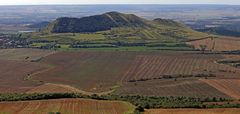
<point x="119" y="25"/>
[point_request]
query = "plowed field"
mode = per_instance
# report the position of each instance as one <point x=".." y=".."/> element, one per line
<point x="66" y="106"/>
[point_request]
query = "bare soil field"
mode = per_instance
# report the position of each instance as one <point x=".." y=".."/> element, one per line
<point x="194" y="111"/>
<point x="104" y="72"/>
<point x="13" y="74"/>
<point x="54" y="88"/>
<point x="231" y="87"/>
<point x="89" y="71"/>
<point x="24" y="54"/>
<point x="156" y="66"/>
<point x="171" y="87"/>
<point x="93" y="72"/>
<point x="218" y="44"/>
<point x="66" y="106"/>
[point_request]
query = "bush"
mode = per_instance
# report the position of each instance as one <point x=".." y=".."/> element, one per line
<point x="139" y="109"/>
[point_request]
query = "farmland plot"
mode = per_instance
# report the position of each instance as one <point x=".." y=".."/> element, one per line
<point x="13" y="74"/>
<point x="156" y="66"/>
<point x="66" y="106"/>
<point x="171" y="87"/>
<point x="194" y="111"/>
<point x="54" y="88"/>
<point x="24" y="54"/>
<point x="89" y="71"/>
<point x="218" y="44"/>
<point x="231" y="87"/>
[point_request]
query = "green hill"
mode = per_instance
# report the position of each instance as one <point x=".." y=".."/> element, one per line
<point x="116" y="24"/>
<point x="112" y="28"/>
<point x="95" y="23"/>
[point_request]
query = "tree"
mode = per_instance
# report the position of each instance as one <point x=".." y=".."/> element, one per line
<point x="203" y="48"/>
<point x="139" y="109"/>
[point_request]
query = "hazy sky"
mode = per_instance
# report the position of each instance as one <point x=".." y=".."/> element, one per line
<point x="22" y="2"/>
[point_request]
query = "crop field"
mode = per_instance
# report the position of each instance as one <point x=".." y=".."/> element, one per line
<point x="66" y="106"/>
<point x="171" y="87"/>
<point x="23" y="54"/>
<point x="69" y="37"/>
<point x="194" y="111"/>
<point x="13" y="74"/>
<point x="218" y="44"/>
<point x="54" y="88"/>
<point x="230" y="87"/>
<point x="89" y="71"/>
<point x="156" y="66"/>
<point x="144" y="73"/>
<point x="107" y="71"/>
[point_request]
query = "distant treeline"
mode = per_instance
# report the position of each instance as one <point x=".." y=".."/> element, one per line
<point x="126" y="44"/>
<point x="137" y="100"/>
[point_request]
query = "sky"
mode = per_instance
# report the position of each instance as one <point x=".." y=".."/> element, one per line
<point x="36" y="2"/>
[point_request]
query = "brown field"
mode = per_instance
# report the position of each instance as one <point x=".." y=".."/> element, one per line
<point x="89" y="71"/>
<point x="232" y="57"/>
<point x="104" y="72"/>
<point x="154" y="66"/>
<point x="54" y="88"/>
<point x="194" y="111"/>
<point x="23" y="54"/>
<point x="66" y="106"/>
<point x="218" y="44"/>
<point x="170" y="87"/>
<point x="231" y="87"/>
<point x="13" y="74"/>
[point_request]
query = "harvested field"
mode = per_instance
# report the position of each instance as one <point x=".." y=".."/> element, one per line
<point x="66" y="106"/>
<point x="218" y="44"/>
<point x="60" y="88"/>
<point x="232" y="57"/>
<point x="13" y="74"/>
<point x="156" y="66"/>
<point x="24" y="54"/>
<point x="54" y="88"/>
<point x="194" y="111"/>
<point x="104" y="71"/>
<point x="170" y="87"/>
<point x="88" y="71"/>
<point x="230" y="87"/>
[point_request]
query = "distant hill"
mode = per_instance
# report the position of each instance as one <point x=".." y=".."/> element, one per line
<point x="226" y="30"/>
<point x="96" y="23"/>
<point x="39" y="25"/>
<point x="121" y="25"/>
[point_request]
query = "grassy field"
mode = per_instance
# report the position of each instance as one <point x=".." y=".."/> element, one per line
<point x="194" y="111"/>
<point x="66" y="106"/>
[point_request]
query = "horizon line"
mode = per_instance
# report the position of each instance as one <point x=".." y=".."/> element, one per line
<point x="66" y="4"/>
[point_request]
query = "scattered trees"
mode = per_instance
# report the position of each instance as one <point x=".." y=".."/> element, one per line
<point x="203" y="48"/>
